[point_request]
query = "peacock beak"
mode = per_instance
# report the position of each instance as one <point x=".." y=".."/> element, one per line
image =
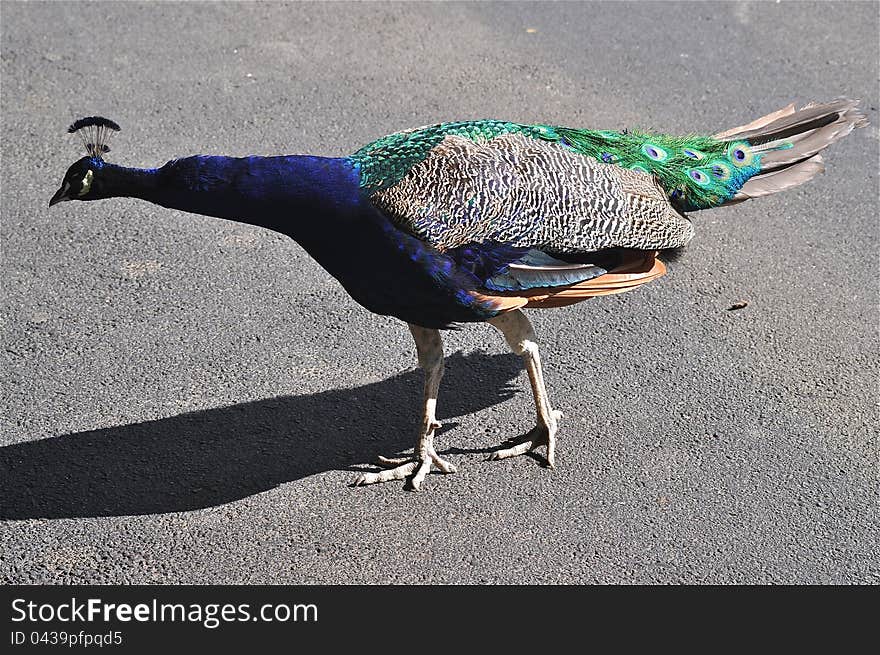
<point x="60" y="195"/>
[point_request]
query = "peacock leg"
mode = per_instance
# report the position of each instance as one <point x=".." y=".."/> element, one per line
<point x="429" y="347"/>
<point x="520" y="335"/>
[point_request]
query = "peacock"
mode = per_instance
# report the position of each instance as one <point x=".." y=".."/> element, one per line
<point x="477" y="220"/>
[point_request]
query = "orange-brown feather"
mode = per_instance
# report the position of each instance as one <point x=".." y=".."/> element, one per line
<point x="640" y="268"/>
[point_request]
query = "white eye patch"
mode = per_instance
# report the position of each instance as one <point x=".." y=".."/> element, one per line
<point x="86" y="183"/>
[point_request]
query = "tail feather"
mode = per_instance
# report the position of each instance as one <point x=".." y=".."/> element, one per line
<point x="733" y="133"/>
<point x="786" y="123"/>
<point x="780" y="179"/>
<point x="788" y="143"/>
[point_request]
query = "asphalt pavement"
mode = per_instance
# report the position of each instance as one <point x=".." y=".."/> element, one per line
<point x="186" y="400"/>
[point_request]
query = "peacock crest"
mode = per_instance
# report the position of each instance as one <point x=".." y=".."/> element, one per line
<point x="95" y="132"/>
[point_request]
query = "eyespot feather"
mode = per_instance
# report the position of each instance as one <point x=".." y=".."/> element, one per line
<point x="720" y="171"/>
<point x="740" y="153"/>
<point x="654" y="152"/>
<point x="698" y="176"/>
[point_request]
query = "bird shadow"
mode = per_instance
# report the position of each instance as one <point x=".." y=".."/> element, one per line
<point x="207" y="458"/>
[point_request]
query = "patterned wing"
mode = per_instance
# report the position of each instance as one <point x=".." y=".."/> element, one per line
<point x="529" y="191"/>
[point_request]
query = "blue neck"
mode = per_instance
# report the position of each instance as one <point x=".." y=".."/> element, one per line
<point x="318" y="202"/>
<point x="272" y="192"/>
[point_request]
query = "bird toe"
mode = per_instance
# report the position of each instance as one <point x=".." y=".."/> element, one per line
<point x="397" y="473"/>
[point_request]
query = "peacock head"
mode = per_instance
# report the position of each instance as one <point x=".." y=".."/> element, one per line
<point x="83" y="179"/>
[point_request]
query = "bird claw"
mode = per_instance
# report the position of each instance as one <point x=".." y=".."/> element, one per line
<point x="404" y="467"/>
<point x="540" y="435"/>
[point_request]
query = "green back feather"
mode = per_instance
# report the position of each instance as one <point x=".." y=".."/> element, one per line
<point x="697" y="172"/>
<point x="384" y="162"/>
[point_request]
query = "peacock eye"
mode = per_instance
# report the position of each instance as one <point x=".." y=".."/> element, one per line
<point x="698" y="176"/>
<point x="721" y="171"/>
<point x="654" y="152"/>
<point x="740" y="154"/>
<point x="86" y="183"/>
<point x="693" y="154"/>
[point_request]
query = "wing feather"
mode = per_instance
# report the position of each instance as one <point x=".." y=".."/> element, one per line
<point x="531" y="193"/>
<point x="636" y="269"/>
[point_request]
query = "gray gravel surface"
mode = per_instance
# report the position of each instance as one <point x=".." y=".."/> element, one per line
<point x="186" y="399"/>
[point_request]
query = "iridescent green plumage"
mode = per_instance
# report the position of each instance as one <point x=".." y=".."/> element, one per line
<point x="385" y="161"/>
<point x="696" y="172"/>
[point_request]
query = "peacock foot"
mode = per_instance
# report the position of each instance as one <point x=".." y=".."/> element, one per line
<point x="543" y="434"/>
<point x="400" y="468"/>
